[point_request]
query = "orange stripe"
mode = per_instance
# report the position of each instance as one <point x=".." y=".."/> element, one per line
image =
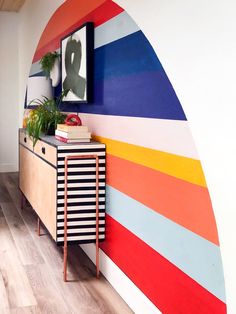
<point x="69" y="16"/>
<point x="184" y="203"/>
<point x="70" y="12"/>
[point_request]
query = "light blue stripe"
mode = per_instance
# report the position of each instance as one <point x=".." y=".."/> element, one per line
<point x="114" y="29"/>
<point x="195" y="256"/>
<point x="35" y="68"/>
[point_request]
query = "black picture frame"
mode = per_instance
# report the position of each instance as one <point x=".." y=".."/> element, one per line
<point x="77" y="53"/>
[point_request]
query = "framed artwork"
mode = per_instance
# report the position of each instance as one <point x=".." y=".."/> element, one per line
<point x="77" y="64"/>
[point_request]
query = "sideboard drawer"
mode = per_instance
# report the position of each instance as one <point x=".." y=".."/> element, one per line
<point x="46" y="151"/>
<point x="25" y="140"/>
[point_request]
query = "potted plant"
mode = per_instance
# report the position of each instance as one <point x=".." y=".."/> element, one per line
<point x="47" y="62"/>
<point x="45" y="117"/>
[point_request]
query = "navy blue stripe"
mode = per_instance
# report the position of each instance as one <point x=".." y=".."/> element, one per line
<point x="132" y="54"/>
<point x="130" y="81"/>
<point x="147" y="95"/>
<point x="38" y="74"/>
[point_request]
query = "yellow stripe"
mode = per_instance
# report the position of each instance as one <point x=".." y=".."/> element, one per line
<point x="184" y="168"/>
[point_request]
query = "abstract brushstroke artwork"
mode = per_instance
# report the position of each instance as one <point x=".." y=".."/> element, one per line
<point x="76" y="52"/>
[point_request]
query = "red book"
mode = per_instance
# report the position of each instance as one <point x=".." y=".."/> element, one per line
<point x="66" y="140"/>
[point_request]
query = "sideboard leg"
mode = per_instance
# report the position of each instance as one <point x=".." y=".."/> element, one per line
<point x="38" y="229"/>
<point x="97" y="216"/>
<point x="22" y="201"/>
<point x="97" y="259"/>
<point x="65" y="219"/>
<point x="65" y="262"/>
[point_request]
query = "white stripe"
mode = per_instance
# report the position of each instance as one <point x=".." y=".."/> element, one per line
<point x="86" y="192"/>
<point x="101" y="176"/>
<point x="80" y="215"/>
<point x="80" y="230"/>
<point x="81" y="200"/>
<point x="172" y="136"/>
<point x="76" y="238"/>
<point x="76" y="208"/>
<point x="75" y="185"/>
<point x="87" y="207"/>
<point x="81" y="161"/>
<point x="80" y="223"/>
<point x="114" y="29"/>
<point x="81" y="154"/>
<point x="61" y="170"/>
<point x="131" y="294"/>
<point x="90" y="145"/>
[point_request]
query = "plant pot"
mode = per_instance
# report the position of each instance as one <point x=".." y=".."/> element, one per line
<point x="51" y="130"/>
<point x="55" y="73"/>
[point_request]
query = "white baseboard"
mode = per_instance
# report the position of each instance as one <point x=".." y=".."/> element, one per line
<point x="134" y="297"/>
<point x="4" y="167"/>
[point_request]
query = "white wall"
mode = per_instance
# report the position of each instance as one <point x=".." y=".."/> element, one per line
<point x="19" y="33"/>
<point x="196" y="44"/>
<point x="9" y="101"/>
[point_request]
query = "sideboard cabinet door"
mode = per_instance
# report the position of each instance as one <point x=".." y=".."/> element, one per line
<point x="38" y="183"/>
<point x="27" y="174"/>
<point x="46" y="194"/>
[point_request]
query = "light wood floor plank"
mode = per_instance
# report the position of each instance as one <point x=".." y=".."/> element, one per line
<point x="26" y="310"/>
<point x="22" y="238"/>
<point x="4" y="304"/>
<point x="17" y="286"/>
<point x="80" y="269"/>
<point x="99" y="289"/>
<point x="75" y="292"/>
<point x="4" y="195"/>
<point x="49" y="297"/>
<point x="11" y="184"/>
<point x="42" y="264"/>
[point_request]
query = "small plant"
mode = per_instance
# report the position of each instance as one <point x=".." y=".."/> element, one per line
<point x="45" y="117"/>
<point x="47" y="62"/>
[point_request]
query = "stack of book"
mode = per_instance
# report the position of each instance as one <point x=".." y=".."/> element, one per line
<point x="72" y="134"/>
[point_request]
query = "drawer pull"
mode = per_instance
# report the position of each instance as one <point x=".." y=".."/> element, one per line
<point x="25" y="139"/>
<point x="43" y="150"/>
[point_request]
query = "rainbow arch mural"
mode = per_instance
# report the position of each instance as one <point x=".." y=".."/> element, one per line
<point x="161" y="230"/>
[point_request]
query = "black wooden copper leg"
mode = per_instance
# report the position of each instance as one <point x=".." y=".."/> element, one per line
<point x="22" y="201"/>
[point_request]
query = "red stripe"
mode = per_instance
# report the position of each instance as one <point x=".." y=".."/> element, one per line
<point x="171" y="290"/>
<point x="99" y="16"/>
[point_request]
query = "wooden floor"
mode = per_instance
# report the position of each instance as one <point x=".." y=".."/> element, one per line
<point x="31" y="267"/>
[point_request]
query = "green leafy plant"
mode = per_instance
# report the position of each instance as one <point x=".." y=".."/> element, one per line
<point x="45" y="117"/>
<point x="47" y="62"/>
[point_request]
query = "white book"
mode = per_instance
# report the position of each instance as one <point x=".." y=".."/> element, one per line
<point x="72" y="128"/>
<point x="72" y="136"/>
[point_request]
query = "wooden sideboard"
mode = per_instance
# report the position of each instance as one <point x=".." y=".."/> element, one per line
<point x="65" y="185"/>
